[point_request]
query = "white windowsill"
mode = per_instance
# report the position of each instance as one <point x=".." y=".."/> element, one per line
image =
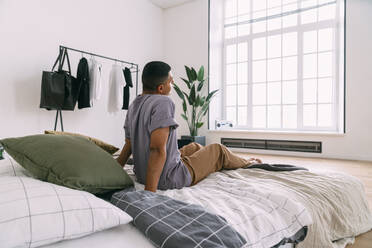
<point x="320" y="133"/>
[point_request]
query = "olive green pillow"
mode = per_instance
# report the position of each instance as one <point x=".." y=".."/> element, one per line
<point x="107" y="147"/>
<point x="70" y="161"/>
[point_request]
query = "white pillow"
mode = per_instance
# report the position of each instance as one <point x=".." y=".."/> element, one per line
<point x="35" y="213"/>
<point x="10" y="167"/>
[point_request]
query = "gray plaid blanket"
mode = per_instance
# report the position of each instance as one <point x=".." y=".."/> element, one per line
<point x="169" y="223"/>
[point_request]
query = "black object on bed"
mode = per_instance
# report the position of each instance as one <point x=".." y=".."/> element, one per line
<point x="170" y="223"/>
<point x="276" y="167"/>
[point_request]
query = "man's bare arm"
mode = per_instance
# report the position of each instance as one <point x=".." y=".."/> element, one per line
<point x="125" y="153"/>
<point x="158" y="155"/>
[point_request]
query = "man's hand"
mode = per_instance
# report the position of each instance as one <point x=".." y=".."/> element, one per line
<point x="158" y="155"/>
<point x="255" y="161"/>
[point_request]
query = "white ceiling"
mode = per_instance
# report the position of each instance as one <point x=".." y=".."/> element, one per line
<point x="168" y="3"/>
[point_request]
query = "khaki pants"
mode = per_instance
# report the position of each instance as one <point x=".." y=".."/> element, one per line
<point x="202" y="161"/>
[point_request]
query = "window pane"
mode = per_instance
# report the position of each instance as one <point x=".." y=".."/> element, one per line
<point x="243" y="7"/>
<point x="310" y="42"/>
<point x="230" y="32"/>
<point x="231" y="115"/>
<point x="325" y="64"/>
<point x="325" y="115"/>
<point x="242" y="94"/>
<point x="289" y="68"/>
<point x="290" y="116"/>
<point x="325" y="90"/>
<point x="273" y="3"/>
<point x="231" y="54"/>
<point x="231" y="74"/>
<point x="325" y="39"/>
<point x="274" y="93"/>
<point x="230" y="8"/>
<point x="275" y="23"/>
<point x="308" y="16"/>
<point x="274" y="117"/>
<point x="274" y="70"/>
<point x="242" y="116"/>
<point x="289" y="92"/>
<point x="242" y="73"/>
<point x="259" y="48"/>
<point x="242" y="51"/>
<point x="258" y="5"/>
<point x="259" y="71"/>
<point x="289" y="1"/>
<point x="289" y="20"/>
<point x="244" y="29"/>
<point x="310" y="66"/>
<point x="259" y="26"/>
<point x="258" y="94"/>
<point x="309" y="115"/>
<point x="259" y="117"/>
<point x="290" y="44"/>
<point x="327" y="12"/>
<point x="274" y="46"/>
<point x="230" y="95"/>
<point x="309" y="91"/>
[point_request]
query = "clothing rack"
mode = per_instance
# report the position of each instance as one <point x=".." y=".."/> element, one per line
<point x="132" y="65"/>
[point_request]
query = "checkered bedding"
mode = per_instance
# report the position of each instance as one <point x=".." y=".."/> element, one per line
<point x="170" y="223"/>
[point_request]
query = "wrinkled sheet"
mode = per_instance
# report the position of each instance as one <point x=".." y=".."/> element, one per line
<point x="255" y="202"/>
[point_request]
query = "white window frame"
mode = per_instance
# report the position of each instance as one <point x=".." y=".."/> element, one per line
<point x="300" y="29"/>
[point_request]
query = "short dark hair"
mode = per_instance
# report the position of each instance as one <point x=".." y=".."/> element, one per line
<point x="154" y="73"/>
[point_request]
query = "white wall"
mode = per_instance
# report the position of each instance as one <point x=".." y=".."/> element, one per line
<point x="32" y="30"/>
<point x="186" y="42"/>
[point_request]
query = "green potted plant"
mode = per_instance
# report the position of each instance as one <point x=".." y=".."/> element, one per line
<point x="195" y="105"/>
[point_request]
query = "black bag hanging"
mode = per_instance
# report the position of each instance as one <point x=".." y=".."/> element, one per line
<point x="59" y="88"/>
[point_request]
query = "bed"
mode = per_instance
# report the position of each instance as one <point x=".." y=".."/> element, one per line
<point x="332" y="205"/>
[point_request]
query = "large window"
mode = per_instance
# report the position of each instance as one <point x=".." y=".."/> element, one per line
<point x="282" y="64"/>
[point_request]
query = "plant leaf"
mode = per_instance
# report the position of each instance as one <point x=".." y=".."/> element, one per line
<point x="193" y="74"/>
<point x="210" y="95"/>
<point x="188" y="73"/>
<point x="184" y="117"/>
<point x="201" y="73"/>
<point x="197" y="101"/>
<point x="187" y="97"/>
<point x="205" y="106"/>
<point x="199" y="124"/>
<point x="202" y="101"/>
<point x="187" y="83"/>
<point x="201" y="84"/>
<point x="184" y="106"/>
<point x="192" y="95"/>
<point x="178" y="91"/>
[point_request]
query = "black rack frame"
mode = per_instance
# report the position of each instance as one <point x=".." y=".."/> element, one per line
<point x="133" y="65"/>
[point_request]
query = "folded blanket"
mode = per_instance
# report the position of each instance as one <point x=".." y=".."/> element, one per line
<point x="170" y="223"/>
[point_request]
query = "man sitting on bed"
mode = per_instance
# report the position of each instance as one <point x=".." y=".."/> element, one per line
<point x="150" y="134"/>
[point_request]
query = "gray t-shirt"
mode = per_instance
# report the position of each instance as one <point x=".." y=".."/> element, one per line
<point x="147" y="113"/>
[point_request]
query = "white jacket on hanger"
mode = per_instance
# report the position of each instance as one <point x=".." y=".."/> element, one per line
<point x="116" y="84"/>
<point x="95" y="86"/>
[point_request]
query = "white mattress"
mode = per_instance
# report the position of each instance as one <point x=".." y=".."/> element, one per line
<point x="299" y="182"/>
<point x="124" y="236"/>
